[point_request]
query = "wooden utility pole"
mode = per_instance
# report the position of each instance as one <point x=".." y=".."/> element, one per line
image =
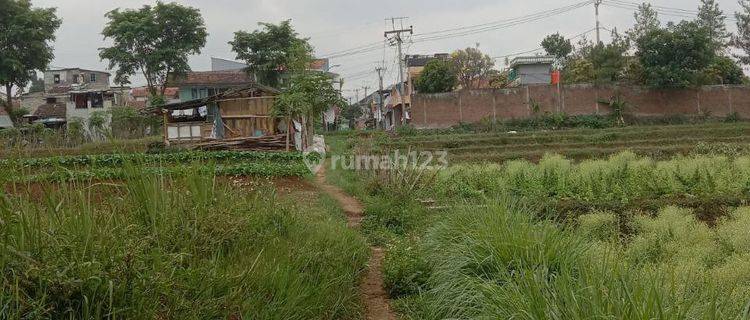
<point x="398" y="39"/>
<point x="379" y="117"/>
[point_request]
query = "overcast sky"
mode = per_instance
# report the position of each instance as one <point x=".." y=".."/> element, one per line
<point x="335" y="25"/>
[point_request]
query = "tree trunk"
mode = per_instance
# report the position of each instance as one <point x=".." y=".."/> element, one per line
<point x="8" y="98"/>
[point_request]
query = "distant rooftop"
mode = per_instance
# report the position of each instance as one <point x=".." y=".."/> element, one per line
<point x="520" y="61"/>
<point x="420" y="60"/>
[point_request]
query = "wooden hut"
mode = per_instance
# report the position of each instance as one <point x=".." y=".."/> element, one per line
<point x="233" y="119"/>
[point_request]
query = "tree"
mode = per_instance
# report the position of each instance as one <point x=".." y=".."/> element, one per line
<point x="436" y="77"/>
<point x="713" y="20"/>
<point x="646" y="20"/>
<point x="742" y="39"/>
<point x="599" y="63"/>
<point x="307" y="95"/>
<point x="26" y="35"/>
<point x="556" y="45"/>
<point x="155" y="41"/>
<point x="675" y="56"/>
<point x="723" y="70"/>
<point x="272" y="52"/>
<point x="471" y="66"/>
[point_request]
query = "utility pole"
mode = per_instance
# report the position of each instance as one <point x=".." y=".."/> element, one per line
<point x="399" y="41"/>
<point x="598" y="25"/>
<point x="379" y="117"/>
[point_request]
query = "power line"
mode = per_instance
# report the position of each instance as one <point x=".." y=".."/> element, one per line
<point x="666" y="11"/>
<point x="465" y="30"/>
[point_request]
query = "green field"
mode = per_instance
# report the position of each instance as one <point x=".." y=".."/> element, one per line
<point x="644" y="222"/>
<point x="185" y="235"/>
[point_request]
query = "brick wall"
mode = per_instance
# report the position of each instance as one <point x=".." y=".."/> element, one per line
<point x="470" y="106"/>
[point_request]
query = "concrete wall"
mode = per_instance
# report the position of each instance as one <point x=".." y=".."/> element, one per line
<point x="469" y="106"/>
<point x="67" y="78"/>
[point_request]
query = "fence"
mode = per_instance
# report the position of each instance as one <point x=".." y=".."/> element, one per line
<point x="472" y="106"/>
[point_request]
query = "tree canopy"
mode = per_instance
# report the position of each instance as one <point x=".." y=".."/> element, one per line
<point x="646" y="20"/>
<point x="272" y="51"/>
<point x="675" y="56"/>
<point x="742" y="39"/>
<point x="26" y="36"/>
<point x="153" y="40"/>
<point x="713" y="20"/>
<point x="437" y="76"/>
<point x="556" y="45"/>
<point x="471" y="66"/>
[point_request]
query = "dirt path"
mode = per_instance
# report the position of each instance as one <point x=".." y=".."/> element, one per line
<point x="371" y="288"/>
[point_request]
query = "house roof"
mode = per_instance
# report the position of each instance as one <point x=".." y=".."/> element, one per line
<point x="213" y="78"/>
<point x="49" y="110"/>
<point x="79" y="69"/>
<point x="520" y="61"/>
<point x="246" y="91"/>
<point x="143" y="92"/>
<point x="422" y="60"/>
<point x="319" y="64"/>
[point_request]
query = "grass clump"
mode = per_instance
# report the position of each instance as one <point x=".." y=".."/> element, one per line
<point x="152" y="247"/>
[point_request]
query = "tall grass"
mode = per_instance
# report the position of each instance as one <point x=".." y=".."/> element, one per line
<point x="499" y="263"/>
<point x="183" y="248"/>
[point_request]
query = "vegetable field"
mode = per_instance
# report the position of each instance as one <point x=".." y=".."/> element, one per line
<point x="621" y="223"/>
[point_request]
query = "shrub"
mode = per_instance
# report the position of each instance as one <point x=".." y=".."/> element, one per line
<point x="405" y="271"/>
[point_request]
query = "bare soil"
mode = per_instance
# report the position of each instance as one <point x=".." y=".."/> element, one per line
<point x="374" y="296"/>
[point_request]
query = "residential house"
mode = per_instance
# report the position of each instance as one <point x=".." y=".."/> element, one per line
<point x="81" y="91"/>
<point x="202" y="84"/>
<point x="139" y="98"/>
<point x="531" y="70"/>
<point x="231" y="115"/>
<point x="219" y="64"/>
<point x="415" y="65"/>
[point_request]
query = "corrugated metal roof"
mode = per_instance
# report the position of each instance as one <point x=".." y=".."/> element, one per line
<point x="532" y="60"/>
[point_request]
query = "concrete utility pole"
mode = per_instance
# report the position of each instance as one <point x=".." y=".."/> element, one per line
<point x="379" y="117"/>
<point x="399" y="41"/>
<point x="598" y="25"/>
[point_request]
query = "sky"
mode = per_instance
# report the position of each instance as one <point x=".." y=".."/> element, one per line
<point x="337" y="25"/>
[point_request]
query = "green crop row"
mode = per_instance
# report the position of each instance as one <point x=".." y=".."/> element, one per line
<point x="111" y="160"/>
<point x="621" y="178"/>
<point x="292" y="169"/>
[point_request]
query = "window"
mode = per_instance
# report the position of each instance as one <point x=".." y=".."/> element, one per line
<point x="97" y="100"/>
<point x="76" y="78"/>
<point x="51" y="100"/>
<point x="56" y="78"/>
<point x="93" y="77"/>
<point x="194" y="93"/>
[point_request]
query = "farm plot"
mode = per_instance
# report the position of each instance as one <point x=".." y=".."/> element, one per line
<point x="655" y="141"/>
<point x="115" y="166"/>
<point x="138" y="236"/>
<point x="602" y="233"/>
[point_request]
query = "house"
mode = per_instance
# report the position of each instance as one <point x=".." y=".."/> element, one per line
<point x="219" y="64"/>
<point x="203" y="84"/>
<point x="82" y="92"/>
<point x="139" y="98"/>
<point x="233" y="114"/>
<point x="531" y="70"/>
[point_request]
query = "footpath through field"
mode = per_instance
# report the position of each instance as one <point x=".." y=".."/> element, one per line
<point x="373" y="293"/>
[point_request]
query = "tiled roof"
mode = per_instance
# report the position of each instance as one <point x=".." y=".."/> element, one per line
<point x="143" y="92"/>
<point x="213" y="78"/>
<point x="50" y="111"/>
<point x="319" y="64"/>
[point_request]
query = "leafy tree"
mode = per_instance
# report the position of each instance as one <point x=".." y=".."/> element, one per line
<point x="675" y="56"/>
<point x="471" y="66"/>
<point x="556" y="45"/>
<point x="436" y="77"/>
<point x="600" y="63"/>
<point x="272" y="52"/>
<point x="646" y="20"/>
<point x="155" y="41"/>
<point x="500" y="80"/>
<point x="713" y="19"/>
<point x="723" y="70"/>
<point x="352" y="113"/>
<point x="742" y="39"/>
<point x="308" y="95"/>
<point x="26" y="35"/>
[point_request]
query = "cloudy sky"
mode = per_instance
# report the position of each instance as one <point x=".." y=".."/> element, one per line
<point x="337" y="25"/>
